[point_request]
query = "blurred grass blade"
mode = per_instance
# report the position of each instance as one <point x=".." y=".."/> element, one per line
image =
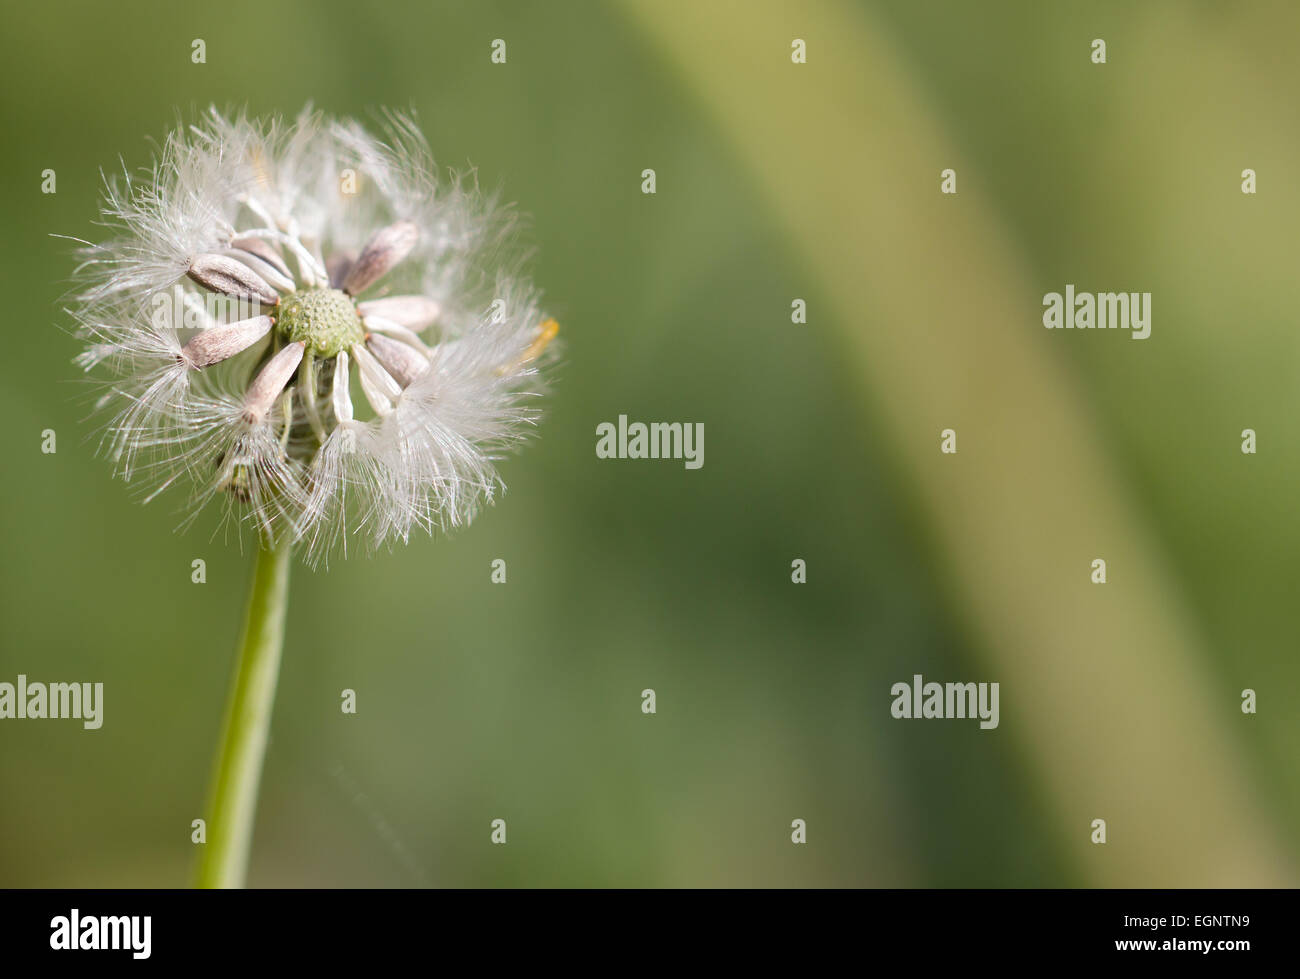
<point x="1104" y="687"/>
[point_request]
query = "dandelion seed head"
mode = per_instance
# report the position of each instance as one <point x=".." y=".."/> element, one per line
<point x="306" y="324"/>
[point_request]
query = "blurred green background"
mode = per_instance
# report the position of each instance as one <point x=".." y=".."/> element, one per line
<point x="775" y="181"/>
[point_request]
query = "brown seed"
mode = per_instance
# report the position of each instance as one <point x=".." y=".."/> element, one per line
<point x="221" y="273"/>
<point x="217" y="343"/>
<point x="413" y="312"/>
<point x="270" y="381"/>
<point x="265" y="251"/>
<point x="266" y="270"/>
<point x="404" y="362"/>
<point x="337" y="267"/>
<point x="386" y="248"/>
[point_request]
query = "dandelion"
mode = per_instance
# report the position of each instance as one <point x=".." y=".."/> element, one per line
<point x="304" y="326"/>
<point x="362" y="366"/>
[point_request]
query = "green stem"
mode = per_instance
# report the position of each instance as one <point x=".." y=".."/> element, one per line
<point x="223" y="861"/>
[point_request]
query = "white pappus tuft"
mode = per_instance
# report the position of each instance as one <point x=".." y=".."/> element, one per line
<point x="306" y="322"/>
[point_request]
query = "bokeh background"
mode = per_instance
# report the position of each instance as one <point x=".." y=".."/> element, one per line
<point x="775" y="181"/>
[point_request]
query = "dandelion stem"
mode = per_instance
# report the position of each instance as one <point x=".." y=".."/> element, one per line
<point x="238" y="769"/>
